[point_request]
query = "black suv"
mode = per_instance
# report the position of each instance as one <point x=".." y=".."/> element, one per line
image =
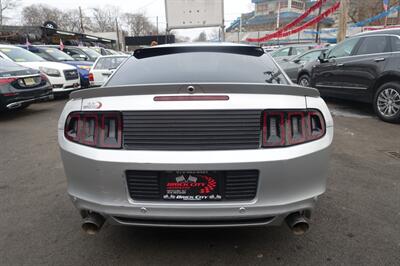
<point x="364" y="68"/>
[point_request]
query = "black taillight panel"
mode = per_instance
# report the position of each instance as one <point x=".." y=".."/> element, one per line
<point x="95" y="129"/>
<point x="290" y="127"/>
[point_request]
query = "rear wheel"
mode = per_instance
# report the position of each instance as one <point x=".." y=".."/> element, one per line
<point x="304" y="80"/>
<point x="387" y="102"/>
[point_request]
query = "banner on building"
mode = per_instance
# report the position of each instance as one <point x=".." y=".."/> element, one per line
<point x="184" y="14"/>
<point x="281" y="33"/>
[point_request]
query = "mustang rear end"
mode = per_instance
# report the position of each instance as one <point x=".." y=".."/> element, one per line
<point x="196" y="136"/>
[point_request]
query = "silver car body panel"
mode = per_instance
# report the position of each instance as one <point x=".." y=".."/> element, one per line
<point x="290" y="180"/>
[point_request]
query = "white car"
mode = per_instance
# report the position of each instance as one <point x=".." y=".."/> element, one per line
<point x="103" y="68"/>
<point x="62" y="77"/>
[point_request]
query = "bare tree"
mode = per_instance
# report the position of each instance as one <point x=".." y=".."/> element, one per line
<point x="138" y="24"/>
<point x="71" y="20"/>
<point x="214" y="35"/>
<point x="5" y="5"/>
<point x="202" y="37"/>
<point x="104" y="18"/>
<point x="37" y="14"/>
<point x="360" y="10"/>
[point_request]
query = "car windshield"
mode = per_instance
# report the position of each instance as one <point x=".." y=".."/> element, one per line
<point x="281" y="52"/>
<point x="58" y="55"/>
<point x="97" y="49"/>
<point x="198" y="67"/>
<point x="308" y="56"/>
<point x="111" y="51"/>
<point x="20" y="55"/>
<point x="109" y="62"/>
<point x="90" y="52"/>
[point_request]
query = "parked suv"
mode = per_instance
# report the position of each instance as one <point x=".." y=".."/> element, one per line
<point x="363" y="68"/>
<point x="55" y="55"/>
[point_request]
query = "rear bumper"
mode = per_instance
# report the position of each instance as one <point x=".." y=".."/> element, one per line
<point x="60" y="84"/>
<point x="290" y="180"/>
<point x="25" y="98"/>
<point x="228" y="215"/>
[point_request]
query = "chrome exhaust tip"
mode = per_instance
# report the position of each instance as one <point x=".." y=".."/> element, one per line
<point x="92" y="223"/>
<point x="13" y="105"/>
<point x="298" y="223"/>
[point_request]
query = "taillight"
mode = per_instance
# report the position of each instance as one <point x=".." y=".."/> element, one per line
<point x="286" y="128"/>
<point x="101" y="130"/>
<point x="7" y="80"/>
<point x="91" y="77"/>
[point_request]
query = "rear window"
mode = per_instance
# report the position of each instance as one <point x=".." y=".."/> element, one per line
<point x="6" y="66"/>
<point x="90" y="52"/>
<point x="210" y="67"/>
<point x="109" y="62"/>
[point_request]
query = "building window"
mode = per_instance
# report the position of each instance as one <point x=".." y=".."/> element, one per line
<point x="298" y="5"/>
<point x="262" y="8"/>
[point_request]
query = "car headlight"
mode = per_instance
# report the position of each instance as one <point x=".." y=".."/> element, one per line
<point x="50" y="71"/>
<point x="84" y="67"/>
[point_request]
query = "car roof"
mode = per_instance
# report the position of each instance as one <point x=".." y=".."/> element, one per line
<point x="8" y="46"/>
<point x="379" y="32"/>
<point x="113" y="55"/>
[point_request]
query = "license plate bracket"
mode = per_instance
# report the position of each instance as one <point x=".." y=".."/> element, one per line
<point x="191" y="185"/>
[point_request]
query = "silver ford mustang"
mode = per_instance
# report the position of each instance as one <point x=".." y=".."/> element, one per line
<point x="200" y="135"/>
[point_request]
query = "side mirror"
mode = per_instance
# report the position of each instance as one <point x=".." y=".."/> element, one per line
<point x="296" y="61"/>
<point x="322" y="58"/>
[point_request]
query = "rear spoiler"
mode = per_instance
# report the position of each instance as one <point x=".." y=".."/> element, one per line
<point x="195" y="88"/>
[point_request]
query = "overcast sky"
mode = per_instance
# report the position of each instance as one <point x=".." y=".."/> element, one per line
<point x="152" y="8"/>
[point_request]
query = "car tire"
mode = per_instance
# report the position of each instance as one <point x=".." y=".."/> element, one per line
<point x="304" y="80"/>
<point x="387" y="102"/>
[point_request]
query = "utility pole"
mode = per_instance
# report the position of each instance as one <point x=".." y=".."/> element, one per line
<point x="1" y="12"/>
<point x="157" y="24"/>
<point x="341" y="35"/>
<point x="278" y="15"/>
<point x="240" y="29"/>
<point x="81" y="19"/>
<point x="117" y="28"/>
<point x="386" y="17"/>
<point x="318" y="26"/>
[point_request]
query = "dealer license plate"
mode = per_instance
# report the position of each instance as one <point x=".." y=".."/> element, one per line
<point x="191" y="185"/>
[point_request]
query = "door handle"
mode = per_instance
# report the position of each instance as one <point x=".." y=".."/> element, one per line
<point x="340" y="64"/>
<point x="379" y="59"/>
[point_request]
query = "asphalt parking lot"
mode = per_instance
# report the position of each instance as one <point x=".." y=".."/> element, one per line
<point x="357" y="221"/>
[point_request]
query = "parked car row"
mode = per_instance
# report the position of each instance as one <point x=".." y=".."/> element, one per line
<point x="37" y="72"/>
<point x="20" y="86"/>
<point x="361" y="68"/>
